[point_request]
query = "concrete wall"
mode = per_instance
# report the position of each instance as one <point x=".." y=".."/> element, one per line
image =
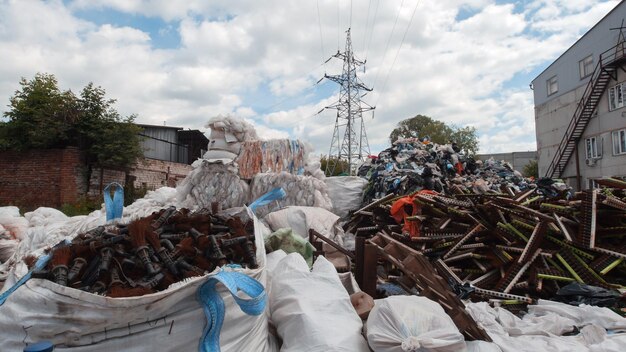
<point x="36" y="178"/>
<point x="517" y="159"/>
<point x="55" y="177"/>
<point x="551" y="121"/>
<point x="553" y="113"/>
<point x="597" y="40"/>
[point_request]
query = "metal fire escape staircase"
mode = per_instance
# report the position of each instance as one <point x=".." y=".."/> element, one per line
<point x="604" y="72"/>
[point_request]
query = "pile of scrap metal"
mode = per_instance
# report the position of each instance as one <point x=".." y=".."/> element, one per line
<point x="411" y="165"/>
<point x="509" y="248"/>
<point x="151" y="253"/>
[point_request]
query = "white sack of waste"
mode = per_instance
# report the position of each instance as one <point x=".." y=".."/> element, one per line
<point x="169" y="320"/>
<point x="412" y="323"/>
<point x="213" y="181"/>
<point x="311" y="309"/>
<point x="302" y="219"/>
<point x="301" y="190"/>
<point x="346" y="193"/>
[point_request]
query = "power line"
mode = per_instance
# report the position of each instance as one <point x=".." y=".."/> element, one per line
<point x="398" y="52"/>
<point x="367" y="19"/>
<point x="319" y="22"/>
<point x="372" y="31"/>
<point x="388" y="41"/>
<point x="338" y="27"/>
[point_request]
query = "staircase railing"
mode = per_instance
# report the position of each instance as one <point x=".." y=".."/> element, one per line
<point x="607" y="58"/>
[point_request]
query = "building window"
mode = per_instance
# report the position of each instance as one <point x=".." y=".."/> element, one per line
<point x="553" y="85"/>
<point x="619" y="142"/>
<point x="585" y="66"/>
<point x="616" y="96"/>
<point x="592" y="184"/>
<point x="593" y="150"/>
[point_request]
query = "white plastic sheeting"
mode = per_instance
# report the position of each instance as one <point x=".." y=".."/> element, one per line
<point x="13" y="224"/>
<point x="227" y="134"/>
<point x="346" y="193"/>
<point x="301" y="190"/>
<point x="311" y="309"/>
<point x="213" y="181"/>
<point x="153" y="201"/>
<point x="412" y="323"/>
<point x="302" y="219"/>
<point x="12" y="229"/>
<point x="170" y="320"/>
<point x="542" y="328"/>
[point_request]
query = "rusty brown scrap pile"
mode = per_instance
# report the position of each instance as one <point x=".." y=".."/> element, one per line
<point x="510" y="248"/>
<point x="151" y="253"/>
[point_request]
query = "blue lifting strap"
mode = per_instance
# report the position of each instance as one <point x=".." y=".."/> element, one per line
<point x="114" y="207"/>
<point x="214" y="305"/>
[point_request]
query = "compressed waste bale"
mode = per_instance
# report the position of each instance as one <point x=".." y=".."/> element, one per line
<point x="274" y="155"/>
<point x="211" y="182"/>
<point x="227" y="134"/>
<point x="412" y="323"/>
<point x="346" y="193"/>
<point x="301" y="190"/>
<point x="311" y="309"/>
<point x="168" y="320"/>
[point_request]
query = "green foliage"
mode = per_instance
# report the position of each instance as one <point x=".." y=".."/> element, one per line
<point x="83" y="206"/>
<point x="421" y="126"/>
<point x="336" y="167"/>
<point x="131" y="194"/>
<point x="531" y="169"/>
<point x="43" y="116"/>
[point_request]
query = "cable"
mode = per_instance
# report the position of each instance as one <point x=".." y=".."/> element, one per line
<point x="319" y="22"/>
<point x="367" y="19"/>
<point x="388" y="41"/>
<point x="372" y="31"/>
<point x="398" y="52"/>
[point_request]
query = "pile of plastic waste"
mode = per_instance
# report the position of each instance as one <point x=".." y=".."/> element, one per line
<point x="412" y="164"/>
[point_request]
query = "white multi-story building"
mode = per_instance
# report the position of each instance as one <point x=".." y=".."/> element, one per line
<point x="580" y="107"/>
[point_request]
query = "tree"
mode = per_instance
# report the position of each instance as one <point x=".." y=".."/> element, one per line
<point x="531" y="169"/>
<point x="336" y="167"/>
<point x="421" y="126"/>
<point x="43" y="116"/>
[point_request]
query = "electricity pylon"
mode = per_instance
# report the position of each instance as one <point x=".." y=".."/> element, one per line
<point x="354" y="147"/>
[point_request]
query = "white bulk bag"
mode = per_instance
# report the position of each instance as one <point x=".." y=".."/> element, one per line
<point x="170" y="320"/>
<point x="346" y="193"/>
<point x="311" y="310"/>
<point x="412" y="323"/>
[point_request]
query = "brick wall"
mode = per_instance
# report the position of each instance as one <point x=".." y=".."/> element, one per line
<point x="149" y="173"/>
<point x="54" y="177"/>
<point x="36" y="178"/>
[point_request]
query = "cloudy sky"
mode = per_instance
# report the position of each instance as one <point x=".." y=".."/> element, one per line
<point x="465" y="62"/>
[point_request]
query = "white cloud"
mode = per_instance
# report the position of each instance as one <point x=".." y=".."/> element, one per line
<point x="453" y="70"/>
